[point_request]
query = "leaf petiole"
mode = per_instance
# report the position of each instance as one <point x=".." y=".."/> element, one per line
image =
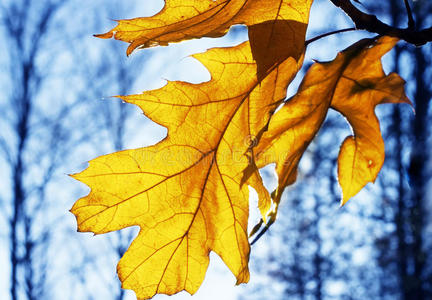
<point x="327" y="34"/>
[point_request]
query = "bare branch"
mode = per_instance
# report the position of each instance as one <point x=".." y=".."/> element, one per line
<point x="411" y="22"/>
<point x="372" y="24"/>
<point x="327" y="34"/>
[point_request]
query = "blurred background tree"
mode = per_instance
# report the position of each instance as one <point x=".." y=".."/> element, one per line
<point x="52" y="119"/>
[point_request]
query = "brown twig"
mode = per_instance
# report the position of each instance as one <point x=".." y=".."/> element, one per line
<point x="372" y="24"/>
<point x="327" y="34"/>
<point x="411" y="22"/>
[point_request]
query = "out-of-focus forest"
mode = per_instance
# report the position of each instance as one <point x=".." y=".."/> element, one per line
<point x="56" y="113"/>
<point x="56" y="80"/>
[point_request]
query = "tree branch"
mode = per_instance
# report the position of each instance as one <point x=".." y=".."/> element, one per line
<point x="372" y="24"/>
<point x="411" y="22"/>
<point x="307" y="42"/>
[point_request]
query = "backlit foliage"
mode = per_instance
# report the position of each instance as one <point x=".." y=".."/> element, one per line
<point x="189" y="192"/>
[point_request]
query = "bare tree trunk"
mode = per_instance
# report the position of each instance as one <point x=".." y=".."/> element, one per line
<point x="416" y="288"/>
<point x="417" y="173"/>
<point x="24" y="48"/>
<point x="399" y="217"/>
<point x="24" y="111"/>
<point x="410" y="211"/>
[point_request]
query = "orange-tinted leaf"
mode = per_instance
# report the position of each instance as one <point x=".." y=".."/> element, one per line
<point x="187" y="19"/>
<point x="186" y="192"/>
<point x="273" y="41"/>
<point x="354" y="84"/>
<point x="293" y="127"/>
<point x="361" y="156"/>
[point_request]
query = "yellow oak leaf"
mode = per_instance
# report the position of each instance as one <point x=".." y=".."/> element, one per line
<point x="187" y="19"/>
<point x="354" y="83"/>
<point x="361" y="155"/>
<point x="186" y="193"/>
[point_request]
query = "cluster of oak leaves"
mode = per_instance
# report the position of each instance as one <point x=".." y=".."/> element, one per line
<point x="189" y="193"/>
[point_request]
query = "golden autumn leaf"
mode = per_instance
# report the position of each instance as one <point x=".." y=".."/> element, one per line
<point x="186" y="193"/>
<point x="354" y="83"/>
<point x="188" y="19"/>
<point x="361" y="155"/>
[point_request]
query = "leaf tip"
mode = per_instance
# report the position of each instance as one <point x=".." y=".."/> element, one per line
<point x="106" y="35"/>
<point x="74" y="176"/>
<point x="406" y="100"/>
<point x="131" y="48"/>
<point x="244" y="276"/>
<point x="343" y="201"/>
